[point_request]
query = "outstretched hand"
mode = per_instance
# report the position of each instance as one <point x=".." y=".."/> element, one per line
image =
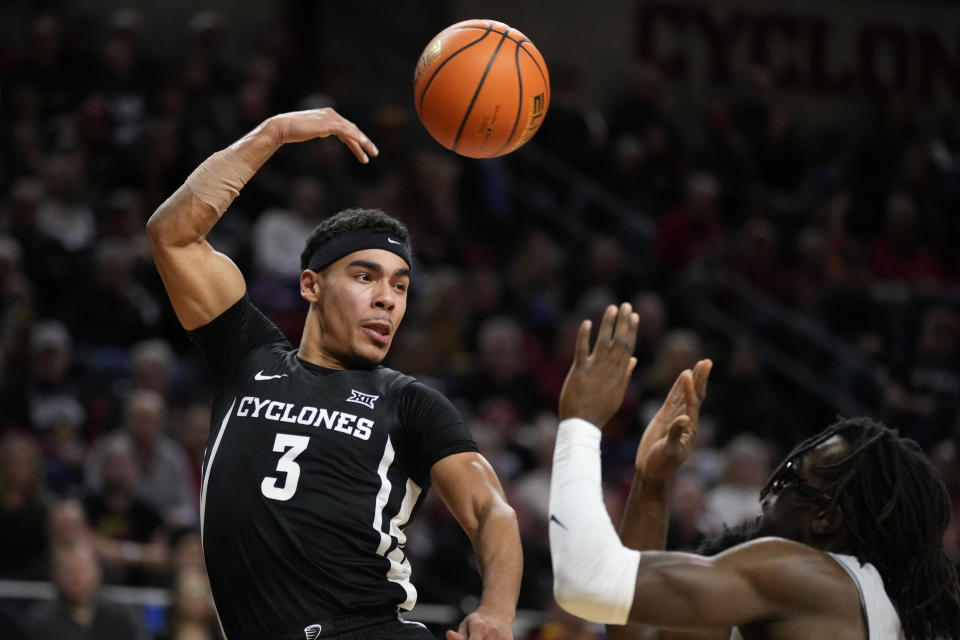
<point x="597" y="380"/>
<point x="298" y="126"/>
<point x="668" y="439"/>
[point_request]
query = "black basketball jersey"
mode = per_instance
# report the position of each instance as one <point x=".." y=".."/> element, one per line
<point x="309" y="479"/>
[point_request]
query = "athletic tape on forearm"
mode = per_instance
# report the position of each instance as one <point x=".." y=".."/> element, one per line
<point x="219" y="179"/>
<point x="594" y="575"/>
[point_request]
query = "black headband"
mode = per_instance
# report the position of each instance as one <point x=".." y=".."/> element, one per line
<point x="345" y="244"/>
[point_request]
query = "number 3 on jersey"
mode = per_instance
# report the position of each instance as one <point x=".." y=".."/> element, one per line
<point x="292" y="446"/>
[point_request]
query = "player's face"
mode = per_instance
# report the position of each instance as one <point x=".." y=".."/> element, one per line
<point x="795" y="495"/>
<point x="363" y="299"/>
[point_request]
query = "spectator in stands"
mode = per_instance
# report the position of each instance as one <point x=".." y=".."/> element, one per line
<point x="152" y="364"/>
<point x="67" y="524"/>
<point x="756" y="257"/>
<point x="16" y="290"/>
<point x="552" y="370"/>
<point x="46" y="264"/>
<point x="576" y="131"/>
<point x="64" y="214"/>
<point x="114" y="310"/>
<point x="425" y="194"/>
<point x="680" y="349"/>
<point x="529" y="495"/>
<point x="191" y="615"/>
<point x="689" y="513"/>
<point x="186" y="551"/>
<point x="931" y="378"/>
<point x="163" y="469"/>
<point x="781" y="163"/>
<point x="604" y="266"/>
<point x="743" y="376"/>
<point x="899" y="254"/>
<point x="534" y="283"/>
<point x="23" y="510"/>
<point x="130" y="536"/>
<point x="275" y="238"/>
<point x="725" y="153"/>
<point x="734" y="501"/>
<point x="192" y="432"/>
<point x="79" y="612"/>
<point x="47" y="390"/>
<point x="690" y="233"/>
<point x="279" y="232"/>
<point x="654" y="320"/>
<point x="640" y="108"/>
<point x="500" y="371"/>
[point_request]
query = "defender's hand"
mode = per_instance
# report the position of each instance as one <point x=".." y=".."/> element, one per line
<point x="597" y="380"/>
<point x="298" y="126"/>
<point x="668" y="439"/>
<point x="479" y="626"/>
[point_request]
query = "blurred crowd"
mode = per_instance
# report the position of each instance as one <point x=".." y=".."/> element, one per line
<point x="104" y="402"/>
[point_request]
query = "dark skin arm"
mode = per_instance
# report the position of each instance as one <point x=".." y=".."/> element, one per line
<point x="771" y="581"/>
<point x="789" y="588"/>
<point x="666" y="444"/>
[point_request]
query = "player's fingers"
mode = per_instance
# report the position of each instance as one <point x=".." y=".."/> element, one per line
<point x="357" y="150"/>
<point x="676" y="396"/>
<point x="690" y="397"/>
<point x="625" y="331"/>
<point x="455" y="635"/>
<point x="607" y="323"/>
<point x="366" y="143"/>
<point x="582" y="350"/>
<point x="701" y="373"/>
<point x="678" y="428"/>
<point x="369" y="147"/>
<point x="356" y="140"/>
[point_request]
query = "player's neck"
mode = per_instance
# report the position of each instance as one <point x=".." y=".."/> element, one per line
<point x="836" y="544"/>
<point x="311" y="345"/>
<point x="314" y="354"/>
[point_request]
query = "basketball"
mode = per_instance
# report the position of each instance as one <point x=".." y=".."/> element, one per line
<point x="481" y="88"/>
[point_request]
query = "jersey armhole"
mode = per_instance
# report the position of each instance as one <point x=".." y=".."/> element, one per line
<point x="856" y="583"/>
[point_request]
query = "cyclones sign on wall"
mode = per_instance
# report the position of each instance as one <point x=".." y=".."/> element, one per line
<point x="838" y="48"/>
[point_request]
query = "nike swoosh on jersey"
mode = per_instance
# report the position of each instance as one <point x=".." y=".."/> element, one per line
<point x="554" y="518"/>
<point x="260" y="376"/>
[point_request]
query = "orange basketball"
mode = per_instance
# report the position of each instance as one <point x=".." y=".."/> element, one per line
<point x="481" y="88"/>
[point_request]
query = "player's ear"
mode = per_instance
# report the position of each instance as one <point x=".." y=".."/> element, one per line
<point x="827" y="521"/>
<point x="310" y="286"/>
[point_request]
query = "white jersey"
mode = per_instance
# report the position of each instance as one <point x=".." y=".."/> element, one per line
<point x="882" y="620"/>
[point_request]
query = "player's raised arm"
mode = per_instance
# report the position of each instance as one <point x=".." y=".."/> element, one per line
<point x="200" y="281"/>
<point x="598" y="578"/>
<point x="666" y="444"/>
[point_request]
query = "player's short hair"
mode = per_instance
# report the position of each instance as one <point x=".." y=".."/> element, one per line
<point x="350" y="220"/>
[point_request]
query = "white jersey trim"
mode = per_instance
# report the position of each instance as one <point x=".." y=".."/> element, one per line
<point x="206" y="473"/>
<point x="880" y="616"/>
<point x="203" y="492"/>
<point x="399" y="571"/>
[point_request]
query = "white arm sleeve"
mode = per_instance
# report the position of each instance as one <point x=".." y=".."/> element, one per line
<point x="594" y="575"/>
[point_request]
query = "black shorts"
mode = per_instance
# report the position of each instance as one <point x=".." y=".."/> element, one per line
<point x="383" y="627"/>
<point x="392" y="630"/>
